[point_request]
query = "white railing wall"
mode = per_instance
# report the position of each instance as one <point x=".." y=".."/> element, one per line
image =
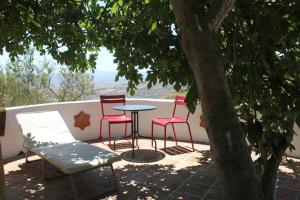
<point x="12" y="141"/>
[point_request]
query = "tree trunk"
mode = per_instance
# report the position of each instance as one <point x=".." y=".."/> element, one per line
<point x="230" y="150"/>
<point x="269" y="176"/>
<point x="2" y="180"/>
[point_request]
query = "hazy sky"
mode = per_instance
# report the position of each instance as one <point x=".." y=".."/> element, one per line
<point x="104" y="61"/>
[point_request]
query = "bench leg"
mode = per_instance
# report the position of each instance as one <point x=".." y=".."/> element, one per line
<point x="44" y="172"/>
<point x="44" y="169"/>
<point x="26" y="155"/>
<point x="114" y="177"/>
<point x="71" y="177"/>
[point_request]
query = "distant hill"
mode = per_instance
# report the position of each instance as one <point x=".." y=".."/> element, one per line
<point x="105" y="85"/>
<point x="105" y="77"/>
<point x="108" y="77"/>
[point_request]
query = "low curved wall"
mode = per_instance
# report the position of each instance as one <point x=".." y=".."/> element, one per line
<point x="12" y="141"/>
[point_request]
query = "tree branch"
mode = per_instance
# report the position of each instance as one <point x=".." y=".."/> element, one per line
<point x="50" y="89"/>
<point x="218" y="12"/>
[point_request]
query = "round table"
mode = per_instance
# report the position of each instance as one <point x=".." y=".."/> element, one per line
<point x="135" y="109"/>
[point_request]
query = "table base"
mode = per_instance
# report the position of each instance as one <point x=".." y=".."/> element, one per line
<point x="135" y="132"/>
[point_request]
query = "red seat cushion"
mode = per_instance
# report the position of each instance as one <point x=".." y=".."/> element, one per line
<point x="117" y="118"/>
<point x="164" y="121"/>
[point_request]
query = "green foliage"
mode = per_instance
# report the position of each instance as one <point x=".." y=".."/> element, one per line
<point x="24" y="82"/>
<point x="57" y="27"/>
<point x="74" y="86"/>
<point x="262" y="52"/>
<point x="144" y="36"/>
<point x="141" y="34"/>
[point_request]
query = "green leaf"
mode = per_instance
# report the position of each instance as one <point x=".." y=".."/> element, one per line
<point x="153" y="27"/>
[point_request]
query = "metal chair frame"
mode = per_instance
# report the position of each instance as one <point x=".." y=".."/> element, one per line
<point x="179" y="101"/>
<point x="118" y="118"/>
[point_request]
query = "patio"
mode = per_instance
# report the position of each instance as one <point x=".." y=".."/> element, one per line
<point x="181" y="174"/>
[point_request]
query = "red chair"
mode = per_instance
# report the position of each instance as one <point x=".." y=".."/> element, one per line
<point x="115" y="118"/>
<point x="179" y="101"/>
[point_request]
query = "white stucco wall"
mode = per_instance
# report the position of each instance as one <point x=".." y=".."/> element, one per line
<point x="12" y="141"/>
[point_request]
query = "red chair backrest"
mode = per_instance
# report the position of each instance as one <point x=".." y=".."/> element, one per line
<point x="111" y="99"/>
<point x="180" y="101"/>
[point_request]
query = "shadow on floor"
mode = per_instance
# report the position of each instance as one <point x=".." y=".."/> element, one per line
<point x="176" y="150"/>
<point x="121" y="145"/>
<point x="182" y="176"/>
<point x="135" y="181"/>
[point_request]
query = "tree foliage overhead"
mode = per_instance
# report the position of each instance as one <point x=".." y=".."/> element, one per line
<point x="144" y="36"/>
<point x="259" y="43"/>
<point x="261" y="46"/>
<point x="59" y="27"/>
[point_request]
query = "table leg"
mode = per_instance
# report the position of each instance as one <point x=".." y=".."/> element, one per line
<point x="137" y="128"/>
<point x="135" y="131"/>
<point x="132" y="132"/>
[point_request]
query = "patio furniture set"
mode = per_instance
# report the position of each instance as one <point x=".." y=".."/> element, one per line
<point x="47" y="135"/>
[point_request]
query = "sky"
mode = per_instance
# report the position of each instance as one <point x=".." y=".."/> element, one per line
<point x="104" y="61"/>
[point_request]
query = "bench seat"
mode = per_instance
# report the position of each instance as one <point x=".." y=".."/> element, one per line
<point x="75" y="157"/>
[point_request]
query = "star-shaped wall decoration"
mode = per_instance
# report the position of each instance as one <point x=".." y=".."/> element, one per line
<point x="82" y="120"/>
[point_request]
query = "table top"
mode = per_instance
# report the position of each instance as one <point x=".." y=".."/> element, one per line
<point x="134" y="107"/>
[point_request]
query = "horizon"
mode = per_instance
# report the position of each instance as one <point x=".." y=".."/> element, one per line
<point x="104" y="60"/>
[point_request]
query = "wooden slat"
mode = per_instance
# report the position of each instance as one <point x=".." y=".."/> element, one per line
<point x="112" y="98"/>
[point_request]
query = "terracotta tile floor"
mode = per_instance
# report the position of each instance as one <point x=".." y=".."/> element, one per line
<point x="179" y="174"/>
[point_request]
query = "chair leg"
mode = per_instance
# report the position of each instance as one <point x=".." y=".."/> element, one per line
<point x="125" y="130"/>
<point x="174" y="132"/>
<point x="26" y="155"/>
<point x="165" y="135"/>
<point x="109" y="134"/>
<point x="190" y="135"/>
<point x="152" y="134"/>
<point x="100" y="132"/>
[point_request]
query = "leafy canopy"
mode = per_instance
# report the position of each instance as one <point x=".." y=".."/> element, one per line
<point x="261" y="47"/>
<point x="60" y="28"/>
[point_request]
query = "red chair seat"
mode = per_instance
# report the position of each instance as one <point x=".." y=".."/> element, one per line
<point x="164" y="121"/>
<point x="117" y="118"/>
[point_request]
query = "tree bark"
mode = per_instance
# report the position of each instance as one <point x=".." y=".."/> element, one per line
<point x="230" y="150"/>
<point x="2" y="179"/>
<point x="269" y="176"/>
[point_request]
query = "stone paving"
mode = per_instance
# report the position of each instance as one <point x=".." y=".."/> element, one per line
<point x="179" y="174"/>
